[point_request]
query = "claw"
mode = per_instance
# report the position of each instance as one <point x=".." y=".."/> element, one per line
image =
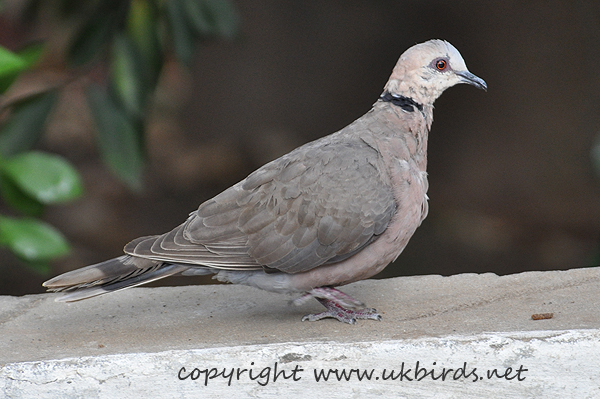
<point x="339" y="305"/>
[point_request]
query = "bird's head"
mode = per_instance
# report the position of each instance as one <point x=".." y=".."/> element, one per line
<point x="425" y="70"/>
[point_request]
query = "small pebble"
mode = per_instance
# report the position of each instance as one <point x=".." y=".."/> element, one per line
<point x="542" y="316"/>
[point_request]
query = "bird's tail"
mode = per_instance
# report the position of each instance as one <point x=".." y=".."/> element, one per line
<point x="110" y="276"/>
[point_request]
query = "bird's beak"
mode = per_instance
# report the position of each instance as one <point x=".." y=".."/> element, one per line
<point x="468" y="78"/>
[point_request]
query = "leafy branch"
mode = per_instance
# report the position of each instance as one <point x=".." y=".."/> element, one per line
<point x="131" y="40"/>
<point x="29" y="180"/>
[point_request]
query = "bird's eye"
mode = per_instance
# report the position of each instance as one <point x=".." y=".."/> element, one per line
<point x="441" y="64"/>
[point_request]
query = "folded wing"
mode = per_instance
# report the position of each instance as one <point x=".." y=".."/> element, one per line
<point x="317" y="205"/>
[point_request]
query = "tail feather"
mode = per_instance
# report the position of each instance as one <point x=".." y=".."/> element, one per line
<point x="110" y="276"/>
<point x="147" y="277"/>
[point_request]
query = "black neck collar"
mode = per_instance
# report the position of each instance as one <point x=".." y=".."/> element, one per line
<point x="406" y="103"/>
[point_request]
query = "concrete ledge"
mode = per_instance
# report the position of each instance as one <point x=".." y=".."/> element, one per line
<point x="184" y="341"/>
<point x="518" y="365"/>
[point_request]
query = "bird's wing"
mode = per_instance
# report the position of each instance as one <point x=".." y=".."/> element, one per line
<point x="319" y="204"/>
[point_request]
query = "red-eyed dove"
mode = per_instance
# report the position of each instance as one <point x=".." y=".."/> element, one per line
<point x="331" y="212"/>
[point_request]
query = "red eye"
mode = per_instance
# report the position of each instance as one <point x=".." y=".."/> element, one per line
<point x="441" y="65"/>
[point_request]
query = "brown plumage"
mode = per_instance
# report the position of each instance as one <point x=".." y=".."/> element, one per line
<point x="334" y="211"/>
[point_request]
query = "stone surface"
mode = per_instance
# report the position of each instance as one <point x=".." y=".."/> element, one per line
<point x="137" y="341"/>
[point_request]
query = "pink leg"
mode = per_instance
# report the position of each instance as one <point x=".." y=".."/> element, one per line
<point x="339" y="306"/>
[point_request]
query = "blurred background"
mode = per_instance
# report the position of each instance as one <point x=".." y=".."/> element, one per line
<point x="514" y="172"/>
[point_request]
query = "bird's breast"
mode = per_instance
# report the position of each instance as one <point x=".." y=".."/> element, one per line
<point x="410" y="185"/>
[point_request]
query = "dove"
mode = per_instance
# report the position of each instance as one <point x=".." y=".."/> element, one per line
<point x="331" y="212"/>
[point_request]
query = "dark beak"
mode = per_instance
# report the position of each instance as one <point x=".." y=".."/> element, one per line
<point x="468" y="78"/>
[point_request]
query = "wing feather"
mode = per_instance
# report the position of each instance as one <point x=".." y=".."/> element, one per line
<point x="317" y="205"/>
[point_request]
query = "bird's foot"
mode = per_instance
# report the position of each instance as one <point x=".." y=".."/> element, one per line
<point x="341" y="313"/>
<point x="339" y="306"/>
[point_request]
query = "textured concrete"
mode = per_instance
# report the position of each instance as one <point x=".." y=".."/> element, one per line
<point x="137" y="341"/>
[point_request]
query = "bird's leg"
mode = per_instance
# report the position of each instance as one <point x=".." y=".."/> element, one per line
<point x="339" y="306"/>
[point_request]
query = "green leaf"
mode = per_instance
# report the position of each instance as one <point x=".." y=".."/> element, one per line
<point x="211" y="17"/>
<point x="223" y="15"/>
<point x="91" y="39"/>
<point x="10" y="67"/>
<point x="25" y="125"/>
<point x="40" y="267"/>
<point x="183" y="36"/>
<point x="10" y="62"/>
<point x="104" y="19"/>
<point x="201" y="20"/>
<point x="118" y="138"/>
<point x="16" y="198"/>
<point x="127" y="78"/>
<point x="31" y="239"/>
<point x="142" y="27"/>
<point x="31" y="54"/>
<point x="45" y="177"/>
